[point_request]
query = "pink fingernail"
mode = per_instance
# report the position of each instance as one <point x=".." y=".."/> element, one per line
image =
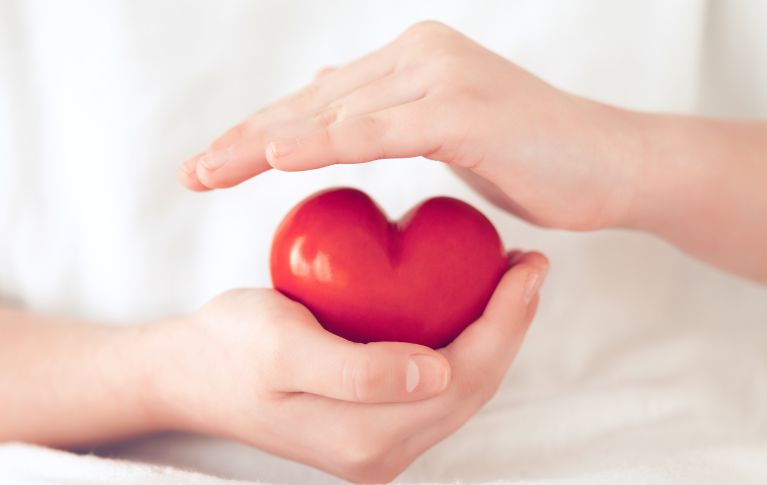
<point x="281" y="148"/>
<point x="531" y="286"/>
<point x="216" y="159"/>
<point x="189" y="166"/>
<point x="412" y="376"/>
<point x="427" y="373"/>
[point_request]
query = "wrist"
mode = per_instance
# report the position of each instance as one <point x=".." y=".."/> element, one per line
<point x="178" y="390"/>
<point x="669" y="174"/>
<point x="160" y="364"/>
<point x="615" y="138"/>
<point x="131" y="351"/>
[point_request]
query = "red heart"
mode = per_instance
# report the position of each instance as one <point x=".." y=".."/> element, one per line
<point x="420" y="280"/>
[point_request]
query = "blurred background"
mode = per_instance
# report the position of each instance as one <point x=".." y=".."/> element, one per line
<point x="640" y="359"/>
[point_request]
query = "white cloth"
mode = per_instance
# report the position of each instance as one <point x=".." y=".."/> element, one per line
<point x="53" y="467"/>
<point x="643" y="365"/>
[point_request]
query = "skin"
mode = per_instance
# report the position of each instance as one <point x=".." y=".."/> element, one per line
<point x="254" y="366"/>
<point x="549" y="157"/>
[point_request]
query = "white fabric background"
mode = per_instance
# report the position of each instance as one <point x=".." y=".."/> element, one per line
<point x="643" y="365"/>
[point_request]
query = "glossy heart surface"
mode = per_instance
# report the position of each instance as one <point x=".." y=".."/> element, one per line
<point x="422" y="279"/>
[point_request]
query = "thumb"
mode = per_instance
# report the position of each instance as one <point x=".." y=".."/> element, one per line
<point x="328" y="365"/>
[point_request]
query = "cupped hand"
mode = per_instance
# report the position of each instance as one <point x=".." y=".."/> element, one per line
<point x="254" y="366"/>
<point x="550" y="157"/>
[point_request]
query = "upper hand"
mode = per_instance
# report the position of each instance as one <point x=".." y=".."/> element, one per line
<point x="255" y="366"/>
<point x="549" y="157"/>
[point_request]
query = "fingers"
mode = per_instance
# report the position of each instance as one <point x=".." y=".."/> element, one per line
<point x="368" y="373"/>
<point x="324" y="364"/>
<point x="246" y="158"/>
<point x="392" y="133"/>
<point x="232" y="164"/>
<point x="392" y="90"/>
<point x="239" y="153"/>
<point x="480" y="356"/>
<point x="477" y="359"/>
<point x="488" y="346"/>
<point x="187" y="175"/>
<point x="335" y="83"/>
<point x="369" y="435"/>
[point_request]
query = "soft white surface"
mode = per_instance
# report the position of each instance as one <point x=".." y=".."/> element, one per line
<point x="643" y="365"/>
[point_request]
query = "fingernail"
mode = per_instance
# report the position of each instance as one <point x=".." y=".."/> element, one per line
<point x="216" y="159"/>
<point x="285" y="138"/>
<point x="281" y="148"/>
<point x="189" y="166"/>
<point x="426" y="373"/>
<point x="531" y="286"/>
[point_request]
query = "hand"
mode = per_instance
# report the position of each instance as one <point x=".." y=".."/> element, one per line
<point x="547" y="156"/>
<point x="255" y="366"/>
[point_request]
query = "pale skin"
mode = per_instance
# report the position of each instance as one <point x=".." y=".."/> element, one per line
<point x="254" y="366"/>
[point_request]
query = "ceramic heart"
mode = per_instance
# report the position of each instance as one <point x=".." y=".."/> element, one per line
<point x="422" y="279"/>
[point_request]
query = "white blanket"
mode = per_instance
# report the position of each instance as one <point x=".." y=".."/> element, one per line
<point x="56" y="467"/>
<point x="643" y="365"/>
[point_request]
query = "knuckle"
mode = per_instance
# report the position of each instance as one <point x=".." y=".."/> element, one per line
<point x="426" y="29"/>
<point x="368" y="136"/>
<point x="371" y="127"/>
<point x="378" y="474"/>
<point x="366" y="452"/>
<point x="363" y="455"/>
<point x="427" y="42"/>
<point x="331" y="114"/>
<point x="306" y="98"/>
<point x="363" y="378"/>
<point x="362" y="452"/>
